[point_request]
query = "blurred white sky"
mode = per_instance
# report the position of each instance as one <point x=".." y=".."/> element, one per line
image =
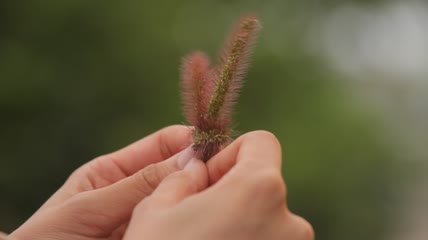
<point x="385" y="48"/>
<point x="391" y="40"/>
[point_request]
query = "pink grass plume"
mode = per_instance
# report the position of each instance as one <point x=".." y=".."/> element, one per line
<point x="209" y="93"/>
<point x="197" y="85"/>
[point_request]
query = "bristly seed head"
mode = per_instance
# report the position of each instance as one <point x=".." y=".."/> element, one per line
<point x="210" y="93"/>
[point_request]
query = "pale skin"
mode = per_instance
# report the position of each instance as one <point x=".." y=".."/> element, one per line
<point x="155" y="189"/>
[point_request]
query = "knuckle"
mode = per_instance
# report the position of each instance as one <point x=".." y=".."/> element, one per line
<point x="86" y="171"/>
<point x="148" y="179"/>
<point x="151" y="202"/>
<point x="181" y="176"/>
<point x="269" y="184"/>
<point x="304" y="230"/>
<point x="77" y="174"/>
<point x="91" y="166"/>
<point x="271" y="181"/>
<point x="185" y="179"/>
<point x="177" y="131"/>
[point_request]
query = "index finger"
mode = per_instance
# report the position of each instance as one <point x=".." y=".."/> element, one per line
<point x="108" y="169"/>
<point x="154" y="148"/>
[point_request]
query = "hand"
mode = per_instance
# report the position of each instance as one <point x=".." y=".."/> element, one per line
<point x="3" y="236"/>
<point x="97" y="200"/>
<point x="246" y="199"/>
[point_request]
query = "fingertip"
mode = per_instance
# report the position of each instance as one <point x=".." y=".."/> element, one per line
<point x="154" y="148"/>
<point x="173" y="139"/>
<point x="185" y="156"/>
<point x="260" y="141"/>
<point x="263" y="136"/>
<point x="198" y="172"/>
<point x="178" y="186"/>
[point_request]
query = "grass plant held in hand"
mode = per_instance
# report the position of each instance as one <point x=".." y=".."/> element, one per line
<point x="210" y="92"/>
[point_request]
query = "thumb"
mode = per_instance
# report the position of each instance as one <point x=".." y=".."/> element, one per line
<point x="109" y="207"/>
<point x="177" y="186"/>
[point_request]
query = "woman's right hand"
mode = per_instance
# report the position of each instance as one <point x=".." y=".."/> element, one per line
<point x="246" y="199"/>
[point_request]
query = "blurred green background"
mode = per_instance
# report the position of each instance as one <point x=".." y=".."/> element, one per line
<point x="82" y="78"/>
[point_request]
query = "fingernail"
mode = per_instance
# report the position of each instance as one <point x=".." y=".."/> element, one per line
<point x="191" y="163"/>
<point x="185" y="156"/>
